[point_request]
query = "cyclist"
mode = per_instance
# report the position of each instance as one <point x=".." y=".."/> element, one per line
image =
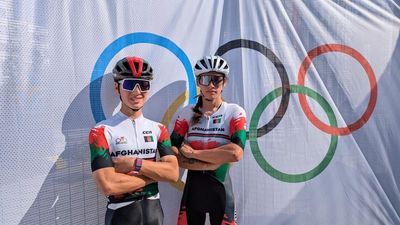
<point x="130" y="183"/>
<point x="210" y="136"/>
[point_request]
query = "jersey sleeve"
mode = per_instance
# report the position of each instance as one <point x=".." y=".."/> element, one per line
<point x="99" y="149"/>
<point x="237" y="127"/>
<point x="164" y="142"/>
<point x="181" y="127"/>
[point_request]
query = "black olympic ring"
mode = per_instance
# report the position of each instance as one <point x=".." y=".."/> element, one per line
<point x="243" y="43"/>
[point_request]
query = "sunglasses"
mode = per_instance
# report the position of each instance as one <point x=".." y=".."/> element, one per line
<point x="205" y="80"/>
<point x="129" y="84"/>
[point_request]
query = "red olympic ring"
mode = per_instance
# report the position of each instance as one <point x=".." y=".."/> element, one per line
<point x="372" y="83"/>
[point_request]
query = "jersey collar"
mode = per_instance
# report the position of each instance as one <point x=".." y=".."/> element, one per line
<point x="123" y="116"/>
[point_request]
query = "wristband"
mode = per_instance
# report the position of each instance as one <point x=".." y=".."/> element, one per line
<point x="137" y="165"/>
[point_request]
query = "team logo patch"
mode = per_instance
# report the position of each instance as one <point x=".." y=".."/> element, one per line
<point x="218" y="120"/>
<point x="121" y="140"/>
<point x="148" y="139"/>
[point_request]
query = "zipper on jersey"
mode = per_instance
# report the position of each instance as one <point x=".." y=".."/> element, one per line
<point x="135" y="132"/>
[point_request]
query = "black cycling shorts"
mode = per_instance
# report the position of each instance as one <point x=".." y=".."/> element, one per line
<point x="205" y="194"/>
<point x="142" y="212"/>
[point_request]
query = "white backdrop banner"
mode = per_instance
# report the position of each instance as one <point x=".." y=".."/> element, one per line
<point x="318" y="80"/>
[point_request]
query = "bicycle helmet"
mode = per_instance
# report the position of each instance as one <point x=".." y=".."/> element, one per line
<point x="132" y="67"/>
<point x="211" y="63"/>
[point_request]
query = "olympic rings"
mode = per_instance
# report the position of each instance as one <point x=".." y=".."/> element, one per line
<point x="291" y="178"/>
<point x="243" y="43"/>
<point x="284" y="91"/>
<point x="372" y="82"/>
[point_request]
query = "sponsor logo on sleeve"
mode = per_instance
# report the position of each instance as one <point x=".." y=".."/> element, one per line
<point x="121" y="140"/>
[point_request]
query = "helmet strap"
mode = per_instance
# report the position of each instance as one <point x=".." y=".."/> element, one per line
<point x="119" y="91"/>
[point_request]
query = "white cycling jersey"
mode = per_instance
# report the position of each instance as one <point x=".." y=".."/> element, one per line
<point x="121" y="136"/>
<point x="226" y="125"/>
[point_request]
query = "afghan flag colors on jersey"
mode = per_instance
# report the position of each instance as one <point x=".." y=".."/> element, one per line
<point x="120" y="136"/>
<point x="99" y="155"/>
<point x="226" y="125"/>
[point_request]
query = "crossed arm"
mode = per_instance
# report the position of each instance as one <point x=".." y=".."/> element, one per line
<point x="112" y="183"/>
<point x="114" y="180"/>
<point x="223" y="154"/>
<point x="164" y="170"/>
<point x="207" y="159"/>
<point x="193" y="164"/>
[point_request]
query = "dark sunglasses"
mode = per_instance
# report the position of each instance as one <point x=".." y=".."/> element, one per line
<point x="205" y="80"/>
<point x="129" y="84"/>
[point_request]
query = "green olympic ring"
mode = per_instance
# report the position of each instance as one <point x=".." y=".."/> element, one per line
<point x="262" y="105"/>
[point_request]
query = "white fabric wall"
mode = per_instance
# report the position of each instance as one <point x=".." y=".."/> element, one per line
<point x="54" y="55"/>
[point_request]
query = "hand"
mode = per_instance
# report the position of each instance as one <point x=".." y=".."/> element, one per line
<point x="186" y="151"/>
<point x="123" y="164"/>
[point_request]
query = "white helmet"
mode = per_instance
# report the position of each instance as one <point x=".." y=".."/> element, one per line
<point x="211" y="63"/>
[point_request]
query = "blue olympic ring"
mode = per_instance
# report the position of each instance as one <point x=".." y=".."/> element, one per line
<point x="111" y="50"/>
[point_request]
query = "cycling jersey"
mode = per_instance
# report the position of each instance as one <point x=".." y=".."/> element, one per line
<point x="226" y="125"/>
<point x="122" y="136"/>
